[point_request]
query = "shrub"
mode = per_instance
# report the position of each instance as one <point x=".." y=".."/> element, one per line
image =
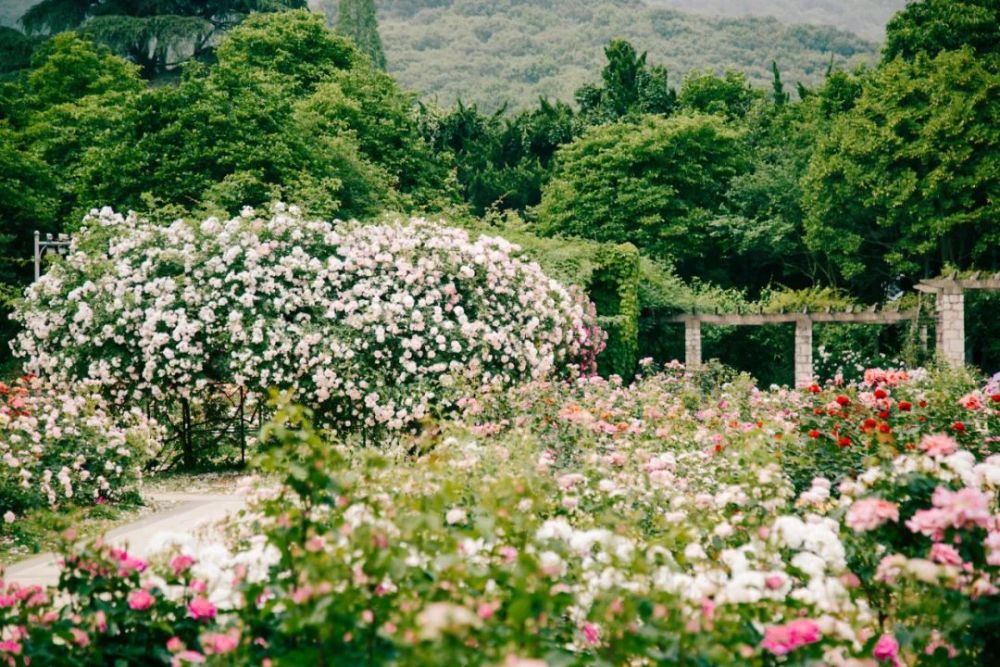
<point x="374" y="326"/>
<point x="64" y="447"/>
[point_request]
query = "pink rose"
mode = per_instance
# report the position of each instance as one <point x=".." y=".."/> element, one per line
<point x="939" y="445"/>
<point x="886" y="649"/>
<point x="220" y="644"/>
<point x="870" y="513"/>
<point x="201" y="609"/>
<point x="945" y="554"/>
<point x="180" y="564"/>
<point x="190" y="657"/>
<point x="782" y="639"/>
<point x="140" y="600"/>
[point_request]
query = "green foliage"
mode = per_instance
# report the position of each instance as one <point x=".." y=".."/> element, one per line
<point x="629" y="87"/>
<point x="356" y="20"/>
<point x="909" y="179"/>
<point x="502" y="162"/>
<point x="290" y="110"/>
<point x="614" y="290"/>
<point x="730" y="96"/>
<point x="932" y="26"/>
<point x="295" y="46"/>
<point x="156" y="34"/>
<point x="652" y="182"/>
<point x="67" y="68"/>
<point x="15" y="50"/>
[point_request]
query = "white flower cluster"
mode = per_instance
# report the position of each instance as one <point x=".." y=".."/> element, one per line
<point x="373" y="325"/>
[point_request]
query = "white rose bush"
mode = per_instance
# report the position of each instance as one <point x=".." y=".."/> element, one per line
<point x="374" y="326"/>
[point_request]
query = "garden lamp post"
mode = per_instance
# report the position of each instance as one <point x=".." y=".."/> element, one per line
<point x="58" y="244"/>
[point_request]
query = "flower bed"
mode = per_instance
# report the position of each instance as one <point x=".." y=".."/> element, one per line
<point x="587" y="523"/>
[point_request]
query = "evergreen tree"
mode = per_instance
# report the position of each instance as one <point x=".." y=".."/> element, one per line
<point x="356" y="20"/>
<point x="779" y="96"/>
<point x="155" y="34"/>
<point x="630" y="86"/>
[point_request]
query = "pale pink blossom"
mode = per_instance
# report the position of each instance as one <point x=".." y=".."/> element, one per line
<point x="938" y="444"/>
<point x="870" y="513"/>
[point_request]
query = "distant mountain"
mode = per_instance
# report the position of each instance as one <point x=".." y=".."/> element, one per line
<point x="866" y="18"/>
<point x="490" y="51"/>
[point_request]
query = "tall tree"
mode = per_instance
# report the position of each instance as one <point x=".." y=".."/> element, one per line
<point x="932" y="26"/>
<point x="629" y="86"/>
<point x="356" y="19"/>
<point x="654" y="182"/>
<point x="908" y="180"/>
<point x="155" y="34"/>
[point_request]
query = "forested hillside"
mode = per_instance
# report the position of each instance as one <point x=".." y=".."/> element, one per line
<point x="866" y="18"/>
<point x="489" y="51"/>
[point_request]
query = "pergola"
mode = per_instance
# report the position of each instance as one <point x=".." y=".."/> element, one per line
<point x="803" y="330"/>
<point x="949" y="310"/>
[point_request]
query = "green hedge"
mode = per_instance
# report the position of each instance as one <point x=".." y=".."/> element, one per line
<point x="614" y="289"/>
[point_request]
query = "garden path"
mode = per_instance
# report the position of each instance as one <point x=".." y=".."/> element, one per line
<point x="189" y="513"/>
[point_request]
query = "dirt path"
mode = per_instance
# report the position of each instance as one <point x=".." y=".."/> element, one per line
<point x="188" y="513"/>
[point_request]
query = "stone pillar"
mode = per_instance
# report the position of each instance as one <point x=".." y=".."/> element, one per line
<point x="951" y="326"/>
<point x="803" y="352"/>
<point x="692" y="343"/>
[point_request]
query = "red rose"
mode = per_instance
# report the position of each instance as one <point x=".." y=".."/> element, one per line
<point x="814" y="433"/>
<point x="844" y="442"/>
<point x="884" y="428"/>
<point x="880" y="393"/>
<point x="814" y="388"/>
<point x="884" y="414"/>
<point x="995" y="398"/>
<point x="843" y="400"/>
<point x="869" y="423"/>
<point x="958" y="426"/>
<point x="922" y="404"/>
<point x="905" y="406"/>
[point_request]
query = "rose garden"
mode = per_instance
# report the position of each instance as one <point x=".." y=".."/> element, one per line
<point x="443" y="477"/>
<point x="680" y="370"/>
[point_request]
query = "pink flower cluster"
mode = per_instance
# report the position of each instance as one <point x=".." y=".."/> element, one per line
<point x="782" y="639"/>
<point x="965" y="508"/>
<point x="875" y="377"/>
<point x="938" y="444"/>
<point x="870" y="513"/>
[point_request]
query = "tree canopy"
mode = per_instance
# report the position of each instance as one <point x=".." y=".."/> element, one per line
<point x="155" y="34"/>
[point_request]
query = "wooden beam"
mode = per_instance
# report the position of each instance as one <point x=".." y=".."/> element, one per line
<point x="760" y="319"/>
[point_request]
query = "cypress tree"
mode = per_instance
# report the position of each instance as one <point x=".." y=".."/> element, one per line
<point x="779" y="95"/>
<point x="356" y="20"/>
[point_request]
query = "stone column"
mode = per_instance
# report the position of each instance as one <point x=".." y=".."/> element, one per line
<point x="951" y="326"/>
<point x="692" y="343"/>
<point x="803" y="352"/>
